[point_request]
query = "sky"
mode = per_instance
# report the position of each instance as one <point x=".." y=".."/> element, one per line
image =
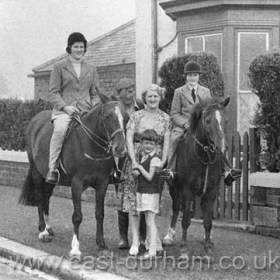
<point x="35" y="31"/>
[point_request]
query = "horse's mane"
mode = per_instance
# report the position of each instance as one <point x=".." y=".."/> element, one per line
<point x="96" y="110"/>
<point x="197" y="112"/>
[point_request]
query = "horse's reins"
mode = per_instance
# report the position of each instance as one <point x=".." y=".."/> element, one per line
<point x="210" y="148"/>
<point x="106" y="145"/>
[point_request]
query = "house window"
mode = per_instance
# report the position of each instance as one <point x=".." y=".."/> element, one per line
<point x="250" y="45"/>
<point x="211" y="43"/>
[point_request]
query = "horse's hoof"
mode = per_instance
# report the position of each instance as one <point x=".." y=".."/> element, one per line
<point x="50" y="231"/>
<point x="168" y="239"/>
<point x="184" y="257"/>
<point x="167" y="242"/>
<point x="105" y="253"/>
<point x="209" y="252"/>
<point x="75" y="258"/>
<point x="208" y="259"/>
<point x="184" y="254"/>
<point x="44" y="237"/>
<point x="209" y="255"/>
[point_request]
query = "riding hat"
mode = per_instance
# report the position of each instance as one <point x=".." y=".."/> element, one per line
<point x="192" y="67"/>
<point x="75" y="37"/>
<point x="124" y="83"/>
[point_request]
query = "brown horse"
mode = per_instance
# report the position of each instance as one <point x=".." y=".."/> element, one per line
<point x="87" y="159"/>
<point x="199" y="166"/>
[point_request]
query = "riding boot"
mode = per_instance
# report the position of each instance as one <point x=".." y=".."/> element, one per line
<point x="123" y="230"/>
<point x="142" y="232"/>
<point x="60" y="125"/>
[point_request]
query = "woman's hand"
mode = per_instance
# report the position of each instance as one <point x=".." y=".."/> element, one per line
<point x="135" y="169"/>
<point x="134" y="165"/>
<point x="70" y="110"/>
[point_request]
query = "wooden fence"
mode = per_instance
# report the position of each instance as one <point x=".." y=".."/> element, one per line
<point x="232" y="203"/>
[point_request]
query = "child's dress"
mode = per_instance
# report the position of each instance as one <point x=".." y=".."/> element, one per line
<point x="148" y="192"/>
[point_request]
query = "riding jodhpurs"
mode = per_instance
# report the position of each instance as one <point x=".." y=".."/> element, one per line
<point x="60" y="126"/>
<point x="176" y="133"/>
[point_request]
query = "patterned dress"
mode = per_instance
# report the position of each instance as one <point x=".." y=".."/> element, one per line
<point x="140" y="121"/>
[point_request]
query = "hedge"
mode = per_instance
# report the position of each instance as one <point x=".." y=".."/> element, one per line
<point x="171" y="74"/>
<point x="14" y="117"/>
<point x="264" y="78"/>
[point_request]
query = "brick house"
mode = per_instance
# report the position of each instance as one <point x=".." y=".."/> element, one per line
<point x="236" y="31"/>
<point x="112" y="53"/>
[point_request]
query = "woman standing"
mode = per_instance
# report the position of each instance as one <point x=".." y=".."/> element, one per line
<point x="74" y="89"/>
<point x="149" y="118"/>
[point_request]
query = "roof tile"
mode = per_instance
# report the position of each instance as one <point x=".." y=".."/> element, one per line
<point x="112" y="48"/>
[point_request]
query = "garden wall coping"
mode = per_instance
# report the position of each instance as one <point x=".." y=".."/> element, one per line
<point x="265" y="179"/>
<point x="16" y="156"/>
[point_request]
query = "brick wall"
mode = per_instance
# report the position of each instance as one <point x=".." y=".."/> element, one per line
<point x="12" y="173"/>
<point x="108" y="78"/>
<point x="110" y="75"/>
<point x="42" y="87"/>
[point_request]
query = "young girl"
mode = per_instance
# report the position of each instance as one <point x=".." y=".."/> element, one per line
<point x="74" y="88"/>
<point x="148" y="193"/>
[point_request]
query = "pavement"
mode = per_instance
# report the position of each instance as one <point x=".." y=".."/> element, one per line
<point x="27" y="256"/>
<point x="19" y="243"/>
<point x="8" y="271"/>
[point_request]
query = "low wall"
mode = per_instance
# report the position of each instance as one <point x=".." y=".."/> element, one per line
<point x="265" y="203"/>
<point x="14" y="167"/>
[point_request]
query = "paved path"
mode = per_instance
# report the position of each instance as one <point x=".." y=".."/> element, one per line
<point x="239" y="254"/>
<point x="10" y="270"/>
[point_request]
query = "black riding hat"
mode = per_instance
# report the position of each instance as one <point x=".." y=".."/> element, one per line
<point x="73" y="38"/>
<point x="192" y="67"/>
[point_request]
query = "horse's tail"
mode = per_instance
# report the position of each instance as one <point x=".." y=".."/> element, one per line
<point x="27" y="196"/>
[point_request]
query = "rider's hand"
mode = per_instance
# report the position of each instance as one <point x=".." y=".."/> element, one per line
<point x="70" y="110"/>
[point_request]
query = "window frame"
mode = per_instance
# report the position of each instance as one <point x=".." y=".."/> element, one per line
<point x="203" y="36"/>
<point x="239" y="33"/>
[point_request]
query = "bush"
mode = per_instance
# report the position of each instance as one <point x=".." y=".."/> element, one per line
<point x="264" y="77"/>
<point x="171" y="74"/>
<point x="14" y="117"/>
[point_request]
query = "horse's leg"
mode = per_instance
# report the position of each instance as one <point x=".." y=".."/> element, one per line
<point x="77" y="217"/>
<point x="100" y="192"/>
<point x="207" y="204"/>
<point x="186" y="220"/>
<point x="39" y="196"/>
<point x="176" y="205"/>
<point x="48" y="193"/>
<point x="44" y="193"/>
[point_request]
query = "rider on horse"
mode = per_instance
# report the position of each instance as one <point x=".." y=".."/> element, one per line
<point x="74" y="88"/>
<point x="183" y="102"/>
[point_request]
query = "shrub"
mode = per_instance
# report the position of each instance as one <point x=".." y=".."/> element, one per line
<point x="14" y="117"/>
<point x="171" y="74"/>
<point x="264" y="78"/>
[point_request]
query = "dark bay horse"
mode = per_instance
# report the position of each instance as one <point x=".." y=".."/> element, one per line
<point x="87" y="159"/>
<point x="199" y="166"/>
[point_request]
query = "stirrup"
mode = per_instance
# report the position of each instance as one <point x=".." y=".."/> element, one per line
<point x="52" y="179"/>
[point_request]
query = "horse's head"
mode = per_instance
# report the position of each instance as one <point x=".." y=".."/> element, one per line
<point x="113" y="121"/>
<point x="207" y="117"/>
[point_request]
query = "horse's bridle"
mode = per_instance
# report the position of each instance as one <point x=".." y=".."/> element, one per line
<point x="107" y="144"/>
<point x="209" y="149"/>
